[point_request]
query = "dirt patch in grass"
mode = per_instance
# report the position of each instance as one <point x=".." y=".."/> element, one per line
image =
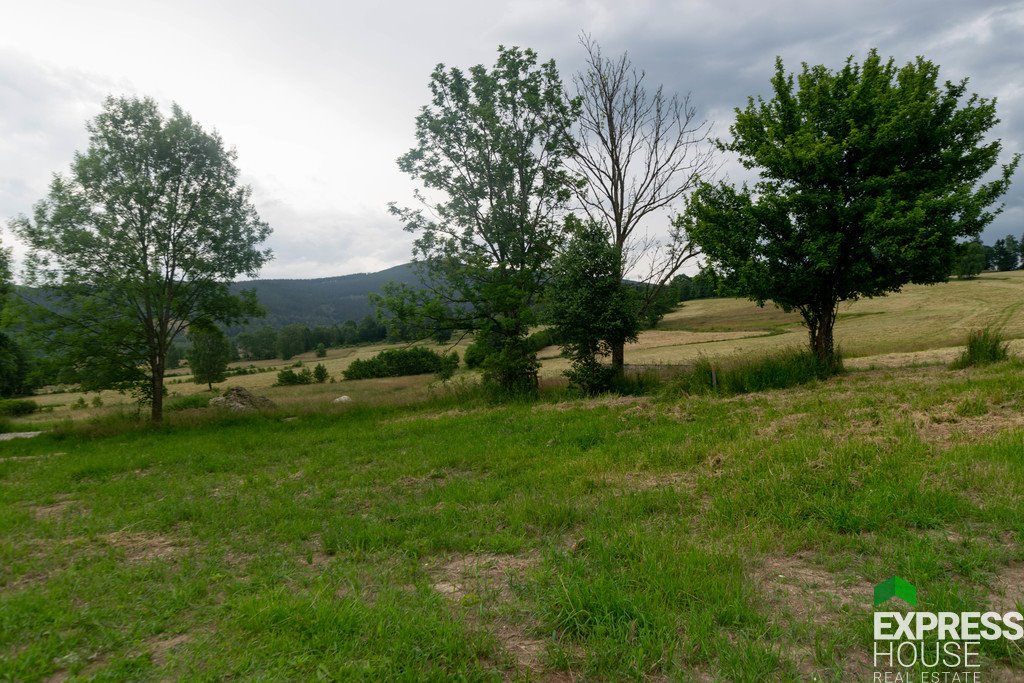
<point x="595" y="403"/>
<point x="799" y="591"/>
<point x="433" y="478"/>
<point x="806" y="590"/>
<point x="958" y="422"/>
<point x="52" y="510"/>
<point x="647" y="481"/>
<point x="1007" y="592"/>
<point x="481" y="584"/>
<point x="161" y="646"/>
<point x="780" y="425"/>
<point x="140" y="547"/>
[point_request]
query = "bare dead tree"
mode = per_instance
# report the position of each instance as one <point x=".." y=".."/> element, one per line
<point x="641" y="152"/>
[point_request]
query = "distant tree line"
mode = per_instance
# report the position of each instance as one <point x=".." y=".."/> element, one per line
<point x="975" y="257"/>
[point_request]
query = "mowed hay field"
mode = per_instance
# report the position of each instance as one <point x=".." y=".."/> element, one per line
<point x="921" y="324"/>
<point x="666" y="538"/>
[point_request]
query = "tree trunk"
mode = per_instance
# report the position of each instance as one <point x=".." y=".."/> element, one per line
<point x="157" y="408"/>
<point x="820" y="325"/>
<point x="618" y="355"/>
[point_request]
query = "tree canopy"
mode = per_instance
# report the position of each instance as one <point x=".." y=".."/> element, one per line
<point x="137" y="243"/>
<point x="590" y="310"/>
<point x="869" y="177"/>
<point x="209" y="355"/>
<point x="490" y="151"/>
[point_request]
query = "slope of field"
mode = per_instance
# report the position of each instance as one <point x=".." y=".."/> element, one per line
<point x="674" y="539"/>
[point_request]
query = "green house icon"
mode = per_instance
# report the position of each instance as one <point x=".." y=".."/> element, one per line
<point x="895" y="587"/>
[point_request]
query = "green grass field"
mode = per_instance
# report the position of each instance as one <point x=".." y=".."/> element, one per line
<point x="672" y="538"/>
<point x="420" y="532"/>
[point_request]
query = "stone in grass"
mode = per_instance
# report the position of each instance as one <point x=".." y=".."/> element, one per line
<point x="238" y="399"/>
<point x="342" y="399"/>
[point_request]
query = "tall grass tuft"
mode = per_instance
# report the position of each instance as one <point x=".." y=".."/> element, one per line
<point x="778" y="371"/>
<point x="983" y="347"/>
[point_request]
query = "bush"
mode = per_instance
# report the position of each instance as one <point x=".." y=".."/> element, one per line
<point x="541" y="339"/>
<point x="416" y="360"/>
<point x="983" y="347"/>
<point x="320" y="373"/>
<point x="321" y="350"/>
<point x="778" y="371"/>
<point x="188" y="402"/>
<point x="289" y="377"/>
<point x="475" y="356"/>
<point x="14" y="407"/>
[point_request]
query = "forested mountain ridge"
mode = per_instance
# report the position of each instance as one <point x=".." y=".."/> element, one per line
<point x="323" y="301"/>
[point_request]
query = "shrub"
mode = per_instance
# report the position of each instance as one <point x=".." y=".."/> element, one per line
<point x="188" y="402"/>
<point x="541" y="339"/>
<point x="475" y="356"/>
<point x="320" y="373"/>
<point x="778" y="371"/>
<point x="321" y="350"/>
<point x="415" y="360"/>
<point x="983" y="347"/>
<point x="14" y="407"/>
<point x="289" y="377"/>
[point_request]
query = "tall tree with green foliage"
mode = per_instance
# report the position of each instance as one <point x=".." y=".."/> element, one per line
<point x="590" y="311"/>
<point x="971" y="261"/>
<point x="869" y="176"/>
<point x="139" y="242"/>
<point x="209" y="355"/>
<point x="13" y="364"/>
<point x="490" y="152"/>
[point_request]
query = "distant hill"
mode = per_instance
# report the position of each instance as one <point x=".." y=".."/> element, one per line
<point x="323" y="301"/>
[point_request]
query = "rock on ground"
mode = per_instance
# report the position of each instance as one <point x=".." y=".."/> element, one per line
<point x="239" y="399"/>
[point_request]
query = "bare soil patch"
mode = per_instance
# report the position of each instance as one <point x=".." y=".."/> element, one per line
<point x="140" y="547"/>
<point x="800" y="591"/>
<point x="944" y="427"/>
<point x="160" y="647"/>
<point x="1007" y="592"/>
<point x="487" y="578"/>
<point x="52" y="510"/>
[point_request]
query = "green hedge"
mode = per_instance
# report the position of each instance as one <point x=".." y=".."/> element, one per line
<point x="416" y="360"/>
<point x="13" y="407"/>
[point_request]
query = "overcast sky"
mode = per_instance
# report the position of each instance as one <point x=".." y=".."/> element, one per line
<point x="319" y="97"/>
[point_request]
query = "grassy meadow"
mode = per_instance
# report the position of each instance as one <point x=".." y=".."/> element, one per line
<point x="422" y="533"/>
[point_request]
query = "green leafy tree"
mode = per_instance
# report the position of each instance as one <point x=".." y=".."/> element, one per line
<point x="13" y="364"/>
<point x="209" y="355"/>
<point x="869" y="176"/>
<point x="972" y="260"/>
<point x="1013" y="252"/>
<point x="589" y="309"/>
<point x="291" y="341"/>
<point x="320" y="350"/>
<point x="320" y="373"/>
<point x="1004" y="254"/>
<point x="139" y="242"/>
<point x="490" y="148"/>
